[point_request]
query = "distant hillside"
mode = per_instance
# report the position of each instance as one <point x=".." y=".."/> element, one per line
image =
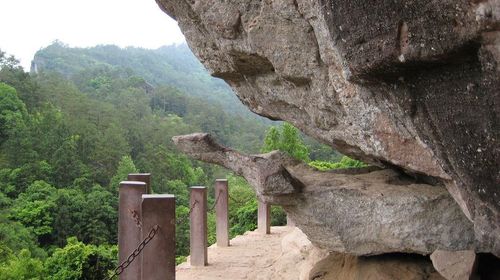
<point x="173" y="65"/>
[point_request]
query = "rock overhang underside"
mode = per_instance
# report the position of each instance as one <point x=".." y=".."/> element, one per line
<point x="413" y="86"/>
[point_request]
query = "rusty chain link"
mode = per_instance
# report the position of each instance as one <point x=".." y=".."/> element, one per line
<point x="119" y="269"/>
<point x="135" y="217"/>
<point x="182" y="220"/>
<point x="215" y="203"/>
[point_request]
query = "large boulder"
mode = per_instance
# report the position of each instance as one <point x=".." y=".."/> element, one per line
<point x="413" y="85"/>
<point x="458" y="265"/>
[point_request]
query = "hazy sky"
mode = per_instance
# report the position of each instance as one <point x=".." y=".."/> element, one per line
<point x="28" y="25"/>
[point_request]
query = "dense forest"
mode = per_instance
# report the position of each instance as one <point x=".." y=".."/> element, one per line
<point x="83" y="119"/>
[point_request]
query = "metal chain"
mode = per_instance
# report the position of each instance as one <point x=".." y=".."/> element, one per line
<point x="182" y="220"/>
<point x="135" y="217"/>
<point x="119" y="269"/>
<point x="215" y="203"/>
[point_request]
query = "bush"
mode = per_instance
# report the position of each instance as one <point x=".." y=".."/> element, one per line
<point x="345" y="162"/>
<point x="79" y="261"/>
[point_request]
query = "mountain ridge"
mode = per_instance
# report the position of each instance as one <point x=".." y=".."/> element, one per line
<point x="169" y="65"/>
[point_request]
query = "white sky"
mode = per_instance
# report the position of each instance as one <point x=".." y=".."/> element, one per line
<point x="28" y="25"/>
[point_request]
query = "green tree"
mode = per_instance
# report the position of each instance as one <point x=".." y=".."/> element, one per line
<point x="12" y="111"/>
<point x="66" y="162"/>
<point x="14" y="236"/>
<point x="34" y="208"/>
<point x="77" y="261"/>
<point x="111" y="146"/>
<point x="125" y="167"/>
<point x="286" y="139"/>
<point x="68" y="217"/>
<point x="100" y="217"/>
<point x="17" y="180"/>
<point x="22" y="266"/>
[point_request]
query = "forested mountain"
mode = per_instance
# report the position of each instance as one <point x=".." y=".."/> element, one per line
<point x="73" y="129"/>
<point x="67" y="140"/>
<point x="173" y="65"/>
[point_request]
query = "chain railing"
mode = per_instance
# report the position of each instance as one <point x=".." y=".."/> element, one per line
<point x="185" y="218"/>
<point x="215" y="203"/>
<point x="135" y="216"/>
<point x="154" y="230"/>
<point x="130" y="259"/>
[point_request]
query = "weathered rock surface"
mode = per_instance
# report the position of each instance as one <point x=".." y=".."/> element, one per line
<point x="313" y="263"/>
<point x="361" y="212"/>
<point x="411" y="85"/>
<point x="459" y="265"/>
<point x="287" y="254"/>
<point x="318" y="264"/>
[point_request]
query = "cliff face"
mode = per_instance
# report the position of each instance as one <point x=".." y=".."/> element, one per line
<point x="409" y="85"/>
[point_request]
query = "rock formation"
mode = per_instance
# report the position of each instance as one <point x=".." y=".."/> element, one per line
<point x="357" y="211"/>
<point x="313" y="263"/>
<point x="409" y="85"/>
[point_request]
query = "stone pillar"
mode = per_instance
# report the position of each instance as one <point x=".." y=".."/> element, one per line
<point x="289" y="221"/>
<point x="198" y="226"/>
<point x="129" y="232"/>
<point x="221" y="211"/>
<point x="141" y="177"/>
<point x="264" y="217"/>
<point x="158" y="257"/>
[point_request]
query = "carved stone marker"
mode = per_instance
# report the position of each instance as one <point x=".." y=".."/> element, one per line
<point x="198" y="226"/>
<point x="158" y="257"/>
<point x="129" y="231"/>
<point x="141" y="177"/>
<point x="264" y="217"/>
<point x="221" y="210"/>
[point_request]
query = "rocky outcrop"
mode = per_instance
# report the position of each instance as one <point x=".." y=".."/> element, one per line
<point x="359" y="211"/>
<point x="313" y="263"/>
<point x="411" y="85"/>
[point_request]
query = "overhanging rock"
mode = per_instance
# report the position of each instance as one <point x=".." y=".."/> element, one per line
<point x="411" y="85"/>
<point x="360" y="211"/>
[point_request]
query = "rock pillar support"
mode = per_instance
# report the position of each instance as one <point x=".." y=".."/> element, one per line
<point x="158" y="257"/>
<point x="141" y="177"/>
<point x="198" y="226"/>
<point x="221" y="211"/>
<point x="289" y="221"/>
<point x="129" y="225"/>
<point x="264" y="217"/>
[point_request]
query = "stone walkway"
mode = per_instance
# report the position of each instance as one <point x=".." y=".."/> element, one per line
<point x="250" y="256"/>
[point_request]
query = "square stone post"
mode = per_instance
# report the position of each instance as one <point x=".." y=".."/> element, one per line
<point x="141" y="177"/>
<point x="129" y="231"/>
<point x="158" y="257"/>
<point x="221" y="212"/>
<point x="198" y="226"/>
<point x="264" y="217"/>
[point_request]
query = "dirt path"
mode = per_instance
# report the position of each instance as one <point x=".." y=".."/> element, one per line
<point x="250" y="256"/>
